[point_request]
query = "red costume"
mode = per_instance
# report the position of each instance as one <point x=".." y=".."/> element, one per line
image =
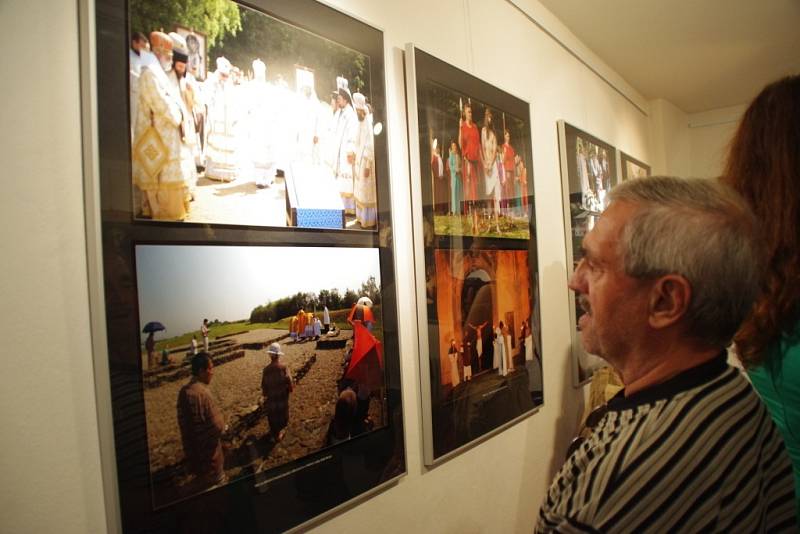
<point x="508" y="159"/>
<point x="522" y="176"/>
<point x="508" y="172"/>
<point x="470" y="149"/>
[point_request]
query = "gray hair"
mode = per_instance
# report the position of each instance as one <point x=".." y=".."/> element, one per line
<point x="704" y="231"/>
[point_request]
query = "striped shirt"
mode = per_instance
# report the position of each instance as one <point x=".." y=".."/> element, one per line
<point x="695" y="453"/>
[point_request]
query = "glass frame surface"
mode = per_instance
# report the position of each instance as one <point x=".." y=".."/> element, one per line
<point x="298" y="492"/>
<point x="468" y="281"/>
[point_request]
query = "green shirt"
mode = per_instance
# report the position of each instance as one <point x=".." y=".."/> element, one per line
<point x="777" y="381"/>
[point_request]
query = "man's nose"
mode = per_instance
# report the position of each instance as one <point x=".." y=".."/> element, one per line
<point x="575" y="279"/>
<point x="572" y="282"/>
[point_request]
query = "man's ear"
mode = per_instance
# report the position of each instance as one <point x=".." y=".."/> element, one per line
<point x="670" y="296"/>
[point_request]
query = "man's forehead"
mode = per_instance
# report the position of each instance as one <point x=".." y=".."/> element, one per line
<point x="610" y="226"/>
<point x="593" y="246"/>
<point x="617" y="215"/>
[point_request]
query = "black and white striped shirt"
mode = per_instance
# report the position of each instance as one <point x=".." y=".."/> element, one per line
<point x="697" y="453"/>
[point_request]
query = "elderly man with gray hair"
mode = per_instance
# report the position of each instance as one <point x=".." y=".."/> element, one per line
<point x="668" y="273"/>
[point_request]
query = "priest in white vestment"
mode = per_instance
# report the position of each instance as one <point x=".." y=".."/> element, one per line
<point x="138" y="47"/>
<point x="222" y="158"/>
<point x="364" y="180"/>
<point x="344" y="140"/>
<point x="183" y="94"/>
<point x="327" y="129"/>
<point x="261" y="128"/>
<point x="309" y="121"/>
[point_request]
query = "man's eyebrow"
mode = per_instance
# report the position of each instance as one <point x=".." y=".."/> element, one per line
<point x="589" y="254"/>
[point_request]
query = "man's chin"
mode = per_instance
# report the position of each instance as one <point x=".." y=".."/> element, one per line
<point x="588" y="342"/>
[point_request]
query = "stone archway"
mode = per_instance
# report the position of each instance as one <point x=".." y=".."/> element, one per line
<point x="477" y="312"/>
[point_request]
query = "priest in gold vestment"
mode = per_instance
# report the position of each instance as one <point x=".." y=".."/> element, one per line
<point x="157" y="139"/>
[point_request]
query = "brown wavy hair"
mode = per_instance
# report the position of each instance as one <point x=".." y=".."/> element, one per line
<point x="763" y="165"/>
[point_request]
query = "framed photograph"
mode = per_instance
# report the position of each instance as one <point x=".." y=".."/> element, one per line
<point x="256" y="120"/>
<point x="588" y="171"/>
<point x="251" y="344"/>
<point x="197" y="64"/>
<point x="475" y="237"/>
<point x="632" y="168"/>
<point x="275" y="312"/>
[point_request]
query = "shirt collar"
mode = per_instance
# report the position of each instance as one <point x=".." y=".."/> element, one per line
<point x="686" y="380"/>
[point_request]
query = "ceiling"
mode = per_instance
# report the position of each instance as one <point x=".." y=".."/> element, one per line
<point x="697" y="54"/>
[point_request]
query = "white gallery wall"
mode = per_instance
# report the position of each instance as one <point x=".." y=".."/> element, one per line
<point x="50" y="460"/>
<point x="669" y="129"/>
<point x="691" y="144"/>
<point x="710" y="133"/>
<point x="51" y="449"/>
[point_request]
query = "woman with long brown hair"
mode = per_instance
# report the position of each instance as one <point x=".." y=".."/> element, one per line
<point x="763" y="165"/>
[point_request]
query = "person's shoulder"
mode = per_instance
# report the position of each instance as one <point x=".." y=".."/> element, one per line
<point x="703" y="404"/>
<point x="190" y="389"/>
<point x="732" y="384"/>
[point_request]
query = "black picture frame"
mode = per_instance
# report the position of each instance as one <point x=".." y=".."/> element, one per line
<point x="306" y="489"/>
<point x="469" y="396"/>
<point x="584" y="184"/>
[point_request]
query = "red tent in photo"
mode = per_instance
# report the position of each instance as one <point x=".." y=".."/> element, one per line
<point x="366" y="361"/>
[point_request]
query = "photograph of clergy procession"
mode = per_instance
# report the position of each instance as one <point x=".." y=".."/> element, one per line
<point x="594" y="174"/>
<point x="241" y="374"/>
<point x="282" y="121"/>
<point x="478" y="183"/>
<point x="591" y="169"/>
<point x="486" y="363"/>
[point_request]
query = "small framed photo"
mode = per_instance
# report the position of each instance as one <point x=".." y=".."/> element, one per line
<point x="287" y="356"/>
<point x="632" y="168"/>
<point x="198" y="51"/>
<point x="262" y="120"/>
<point x="588" y="172"/>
